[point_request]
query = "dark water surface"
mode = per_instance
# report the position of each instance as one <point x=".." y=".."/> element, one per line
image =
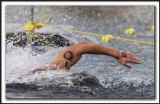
<point x="87" y="87"/>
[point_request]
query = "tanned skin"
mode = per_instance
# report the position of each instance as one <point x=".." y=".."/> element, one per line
<point x="71" y="55"/>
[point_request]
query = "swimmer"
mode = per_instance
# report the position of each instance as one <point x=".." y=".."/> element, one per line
<point x="71" y="55"/>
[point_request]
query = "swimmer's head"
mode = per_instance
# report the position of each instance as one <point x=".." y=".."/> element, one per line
<point x="61" y="64"/>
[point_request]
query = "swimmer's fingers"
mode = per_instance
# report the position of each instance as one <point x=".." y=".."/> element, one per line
<point x="135" y="60"/>
<point x="29" y="73"/>
<point x="125" y="63"/>
<point x="132" y="56"/>
<point x="128" y="65"/>
<point x="21" y="76"/>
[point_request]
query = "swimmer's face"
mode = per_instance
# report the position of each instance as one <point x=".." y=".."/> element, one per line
<point x="61" y="64"/>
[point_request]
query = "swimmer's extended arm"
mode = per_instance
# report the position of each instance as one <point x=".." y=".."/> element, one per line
<point x="74" y="53"/>
<point x="38" y="69"/>
<point x="33" y="71"/>
<point x="122" y="57"/>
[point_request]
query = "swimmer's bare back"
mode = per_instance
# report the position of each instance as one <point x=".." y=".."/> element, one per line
<point x="71" y="55"/>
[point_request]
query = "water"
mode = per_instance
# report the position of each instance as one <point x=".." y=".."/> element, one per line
<point x="94" y="76"/>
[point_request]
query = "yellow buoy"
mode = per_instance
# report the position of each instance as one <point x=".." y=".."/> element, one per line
<point x="130" y="31"/>
<point x="153" y="28"/>
<point x="107" y="38"/>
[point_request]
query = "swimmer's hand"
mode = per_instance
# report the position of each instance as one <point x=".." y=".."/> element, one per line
<point x="38" y="69"/>
<point x="22" y="76"/>
<point x="125" y="58"/>
<point x="30" y="73"/>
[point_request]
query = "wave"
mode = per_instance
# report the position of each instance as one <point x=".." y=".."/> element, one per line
<point x="81" y="85"/>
